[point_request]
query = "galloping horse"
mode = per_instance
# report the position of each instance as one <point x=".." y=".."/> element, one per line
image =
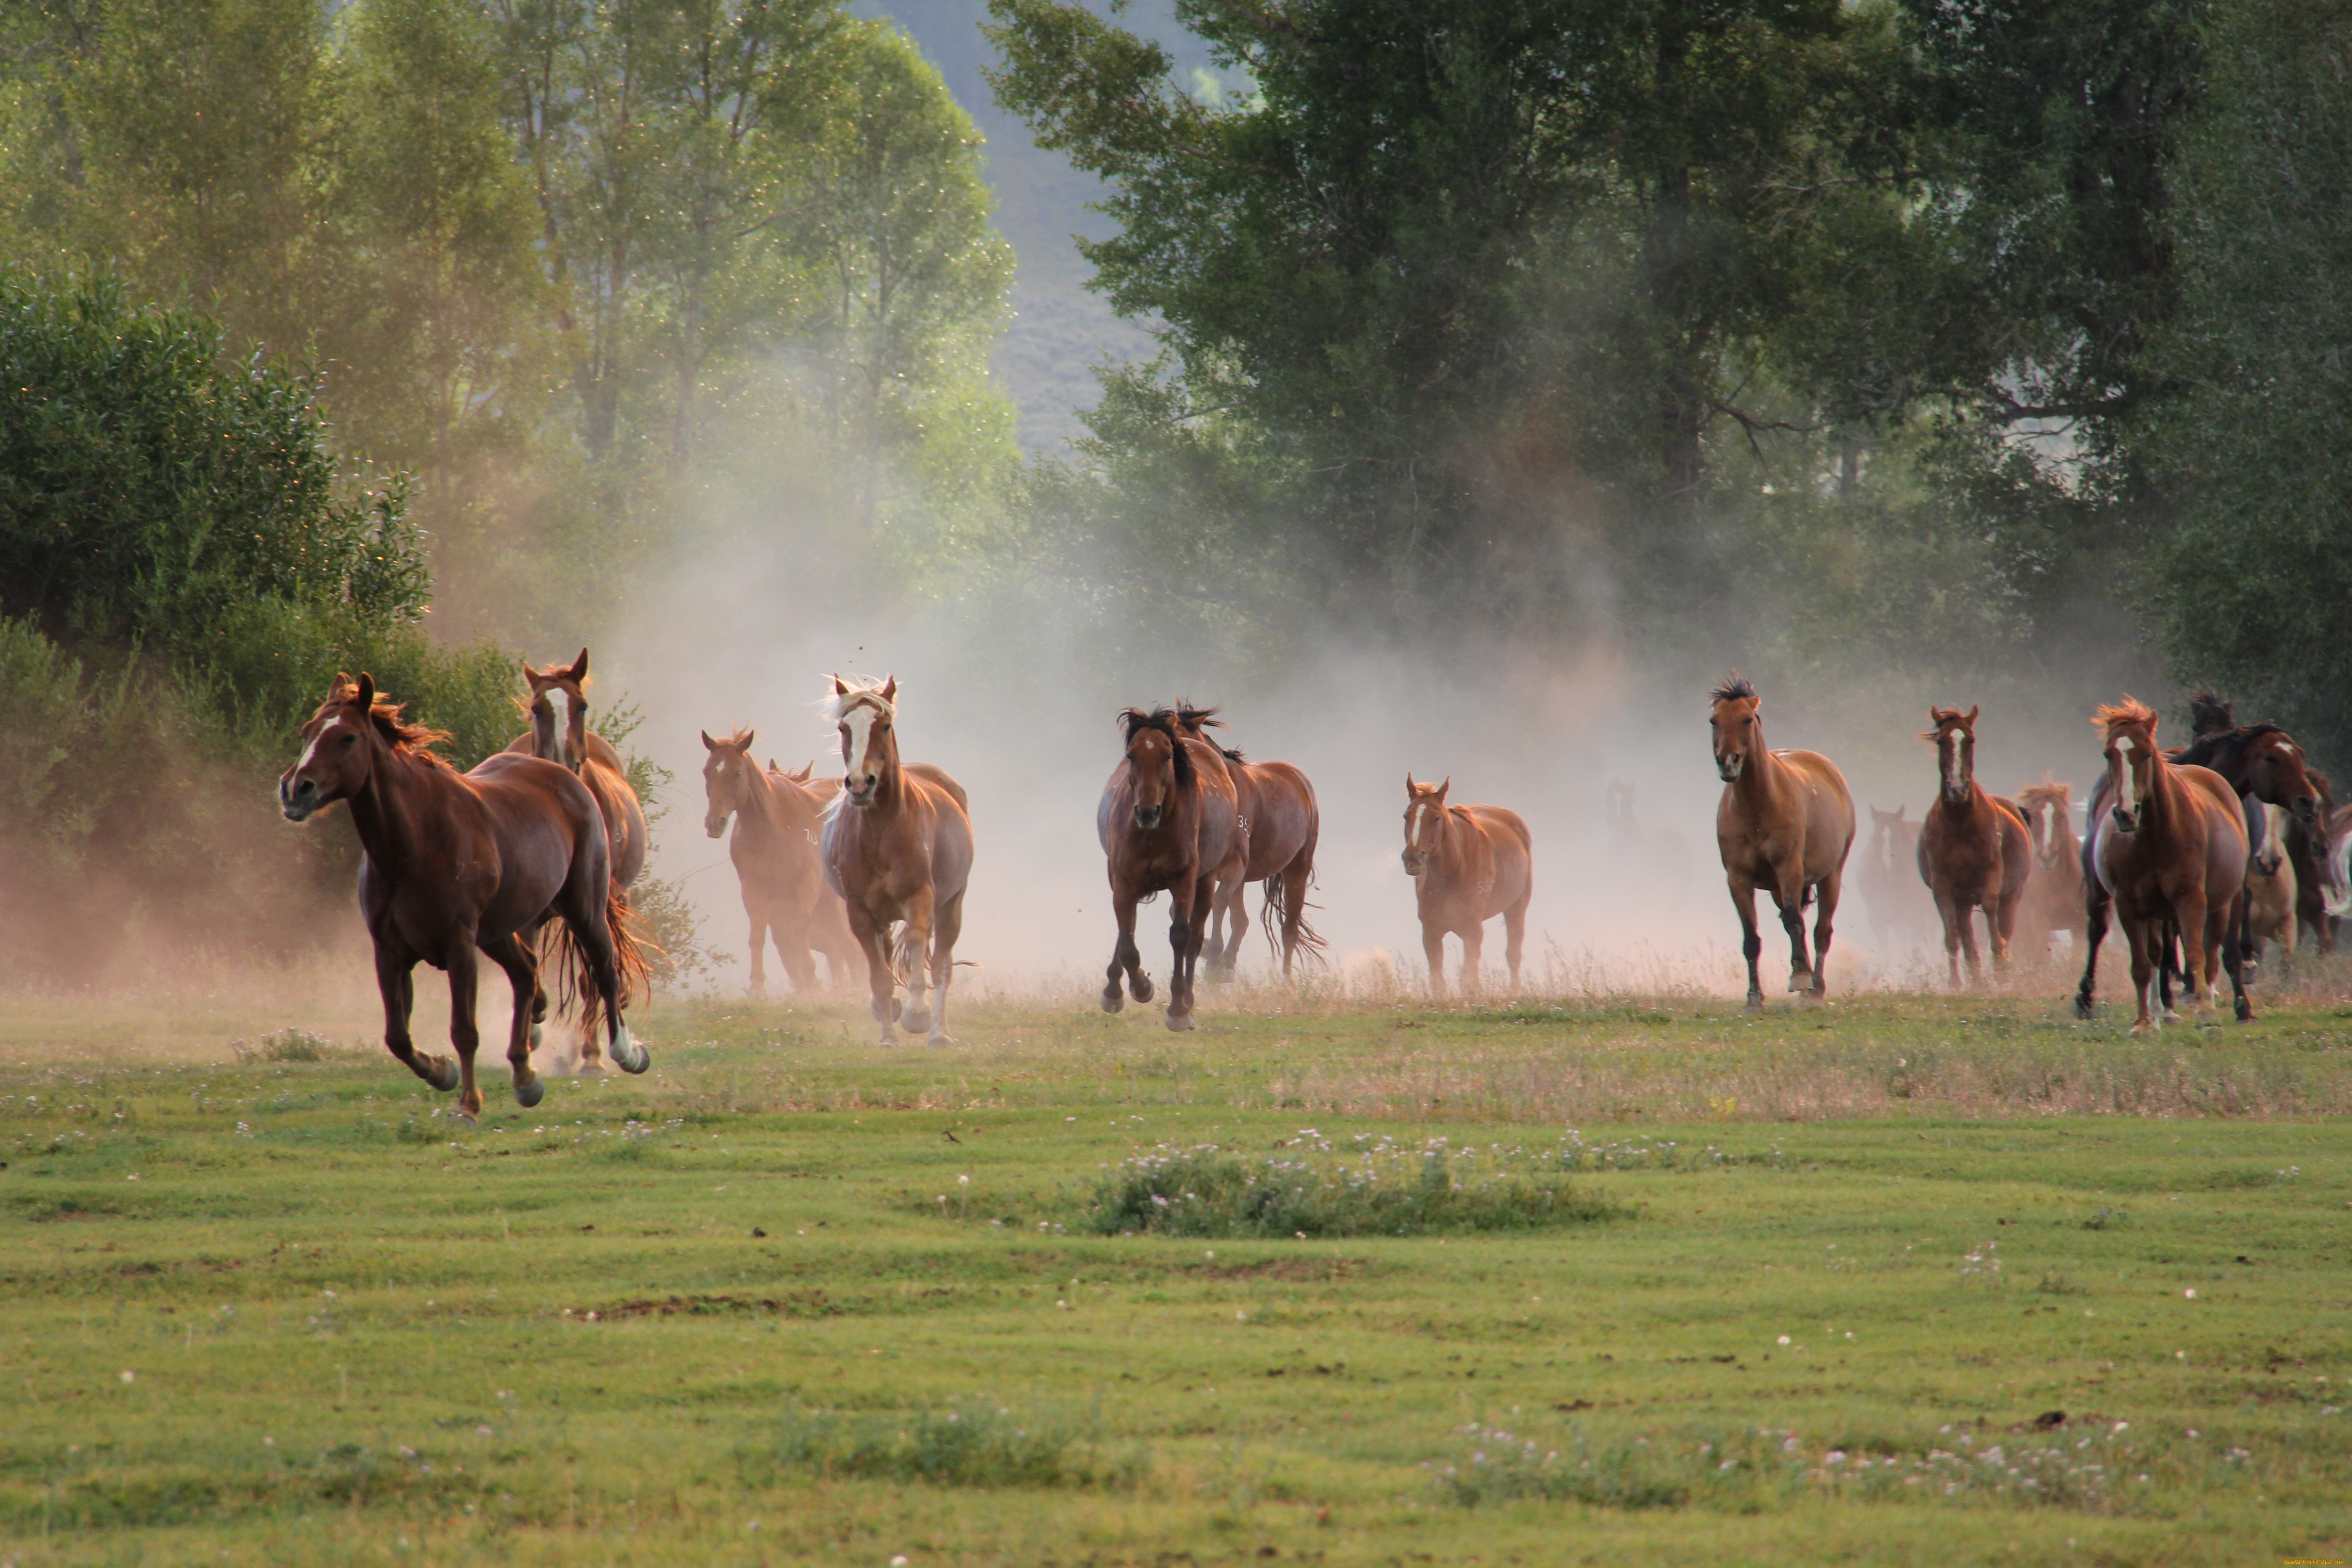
<point x="2054" y="894"/>
<point x="1973" y="850"/>
<point x="897" y="847"/>
<point x="1169" y="823"/>
<point x="779" y="818"/>
<point x="558" y="733"/>
<point x="1279" y="821"/>
<point x="2170" y="846"/>
<point x="1468" y="864"/>
<point x="1902" y="910"/>
<point x="459" y="863"/>
<point x="1785" y="823"/>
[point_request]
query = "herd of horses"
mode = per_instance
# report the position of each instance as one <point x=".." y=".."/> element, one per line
<point x="2201" y="854"/>
<point x="528" y="859"/>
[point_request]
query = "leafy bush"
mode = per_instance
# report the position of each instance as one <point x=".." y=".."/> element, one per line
<point x="1379" y="1188"/>
<point x="973" y="1443"/>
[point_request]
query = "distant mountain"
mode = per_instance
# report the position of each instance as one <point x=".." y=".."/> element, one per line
<point x="1059" y="331"/>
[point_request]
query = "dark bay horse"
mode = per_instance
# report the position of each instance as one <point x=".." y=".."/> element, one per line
<point x="1785" y="824"/>
<point x="2169" y="847"/>
<point x="460" y="863"/>
<point x="1468" y="864"/>
<point x="1169" y="823"/>
<point x="1973" y="848"/>
<point x="2054" y="894"/>
<point x="1279" y="821"/>
<point x="897" y="848"/>
<point x="779" y="821"/>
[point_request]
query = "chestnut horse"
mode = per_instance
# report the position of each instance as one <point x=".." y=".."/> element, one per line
<point x="2170" y="846"/>
<point x="459" y="863"/>
<point x="558" y="733"/>
<point x="897" y="848"/>
<point x="1973" y="850"/>
<point x="1902" y="910"/>
<point x="779" y="819"/>
<point x="1279" y="821"/>
<point x="1168" y="822"/>
<point x="2054" y="894"/>
<point x="1785" y="823"/>
<point x="1468" y="864"/>
<point x="2271" y="886"/>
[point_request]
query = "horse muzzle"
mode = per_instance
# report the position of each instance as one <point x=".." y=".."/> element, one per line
<point x="2125" y="818"/>
<point x="715" y="826"/>
<point x="1148" y="817"/>
<point x="298" y="799"/>
<point x="1729" y="769"/>
<point x="1413" y="861"/>
<point x="858" y="796"/>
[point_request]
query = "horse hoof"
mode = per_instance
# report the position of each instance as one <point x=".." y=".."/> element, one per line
<point x="1755" y="1004"/>
<point x="530" y="1092"/>
<point x="1142" y="987"/>
<point x="937" y="1040"/>
<point x="441" y="1072"/>
<point x="1112" y="1001"/>
<point x="1802" y="980"/>
<point x="1180" y="1022"/>
<point x="466" y="1116"/>
<point x="917" y="1021"/>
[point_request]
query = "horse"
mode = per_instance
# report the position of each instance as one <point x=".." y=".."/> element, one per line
<point x="2271" y="886"/>
<point x="1785" y="823"/>
<point x="778" y="819"/>
<point x="558" y="733"/>
<point x="456" y="864"/>
<point x="897" y="848"/>
<point x="2318" y="884"/>
<point x="2054" y="894"/>
<point x="2171" y="846"/>
<point x="1973" y="850"/>
<point x="1280" y="824"/>
<point x="1168" y="822"/>
<point x="1901" y="909"/>
<point x="1468" y="864"/>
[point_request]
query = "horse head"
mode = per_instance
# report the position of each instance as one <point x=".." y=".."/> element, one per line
<point x="2275" y="773"/>
<point x="1158" y="765"/>
<point x="1424" y="823"/>
<point x="559" y="712"/>
<point x="2129" y="730"/>
<point x="2272" y="850"/>
<point x="2210" y="715"/>
<point x="2046" y="806"/>
<point x="1883" y="828"/>
<point x="865" y="715"/>
<point x="725" y="772"/>
<point x="1955" y="735"/>
<point x="1738" y="733"/>
<point x="351" y="731"/>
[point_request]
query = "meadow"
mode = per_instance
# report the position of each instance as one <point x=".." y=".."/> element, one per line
<point x="1903" y="1279"/>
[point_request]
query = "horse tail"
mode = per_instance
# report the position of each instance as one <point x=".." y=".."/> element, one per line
<point x="633" y="949"/>
<point x="1277" y="916"/>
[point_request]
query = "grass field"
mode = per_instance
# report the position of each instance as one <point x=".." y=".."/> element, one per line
<point x="1802" y="1288"/>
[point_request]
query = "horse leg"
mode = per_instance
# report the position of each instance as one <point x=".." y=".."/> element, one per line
<point x="510" y="953"/>
<point x="1751" y="944"/>
<point x="2137" y="936"/>
<point x="2001" y="922"/>
<point x="1515" y="936"/>
<point x="2240" y="1006"/>
<point x="1955" y="923"/>
<point x="1187" y="900"/>
<point x="758" y="987"/>
<point x="1473" y="958"/>
<point x="1964" y="919"/>
<point x="2095" y="905"/>
<point x="1825" y="902"/>
<point x="880" y="979"/>
<point x="2190" y="914"/>
<point x="1791" y="897"/>
<point x="1433" y="949"/>
<point x="463" y="1032"/>
<point x="946" y="926"/>
<point x="791" y="936"/>
<point x="395" y="981"/>
<point x="914" y="955"/>
<point x="1236" y="926"/>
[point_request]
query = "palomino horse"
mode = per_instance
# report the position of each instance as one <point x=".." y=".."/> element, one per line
<point x="1279" y="823"/>
<point x="2317" y="873"/>
<point x="1785" y="824"/>
<point x="1169" y="823"/>
<point x="1973" y="851"/>
<point x="779" y="820"/>
<point x="1902" y="910"/>
<point x="460" y="863"/>
<point x="2270" y="888"/>
<point x="1468" y="864"/>
<point x="897" y="847"/>
<point x="2054" y="894"/>
<point x="2169" y="847"/>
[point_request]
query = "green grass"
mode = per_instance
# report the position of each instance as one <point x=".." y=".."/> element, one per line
<point x="1695" y="1288"/>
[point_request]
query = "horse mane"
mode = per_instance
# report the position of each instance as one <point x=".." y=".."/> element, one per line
<point x="1192" y="718"/>
<point x="403" y="734"/>
<point x="1733" y="686"/>
<point x="1940" y="717"/>
<point x="2047" y="791"/>
<point x="841" y="703"/>
<point x="2208" y="714"/>
<point x="2221" y="748"/>
<point x="1165" y="720"/>
<point x="2130" y="711"/>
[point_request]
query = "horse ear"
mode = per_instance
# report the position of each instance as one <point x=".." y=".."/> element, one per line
<point x="365" y="696"/>
<point x="744" y="741"/>
<point x="708" y="743"/>
<point x="1408" y="781"/>
<point x="1443" y="787"/>
<point x="580" y="666"/>
<point x="889" y="688"/>
<point x="838" y="689"/>
<point x="1973" y="715"/>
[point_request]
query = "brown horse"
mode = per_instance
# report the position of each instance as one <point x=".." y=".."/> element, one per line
<point x="2054" y="894"/>
<point x="1279" y="821"/>
<point x="1973" y="850"/>
<point x="558" y="733"/>
<point x="2271" y="887"/>
<point x="1902" y="910"/>
<point x="897" y="848"/>
<point x="2169" y="847"/>
<point x="456" y="864"/>
<point x="1785" y="823"/>
<point x="1468" y="864"/>
<point x="779" y="822"/>
<point x="1168" y="822"/>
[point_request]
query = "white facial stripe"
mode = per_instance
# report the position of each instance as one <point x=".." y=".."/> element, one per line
<point x="860" y="721"/>
<point x="2131" y="785"/>
<point x="1952" y="766"/>
<point x="313" y="749"/>
<point x="559" y="709"/>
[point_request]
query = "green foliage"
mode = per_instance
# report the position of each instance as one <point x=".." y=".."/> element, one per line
<point x="969" y="1443"/>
